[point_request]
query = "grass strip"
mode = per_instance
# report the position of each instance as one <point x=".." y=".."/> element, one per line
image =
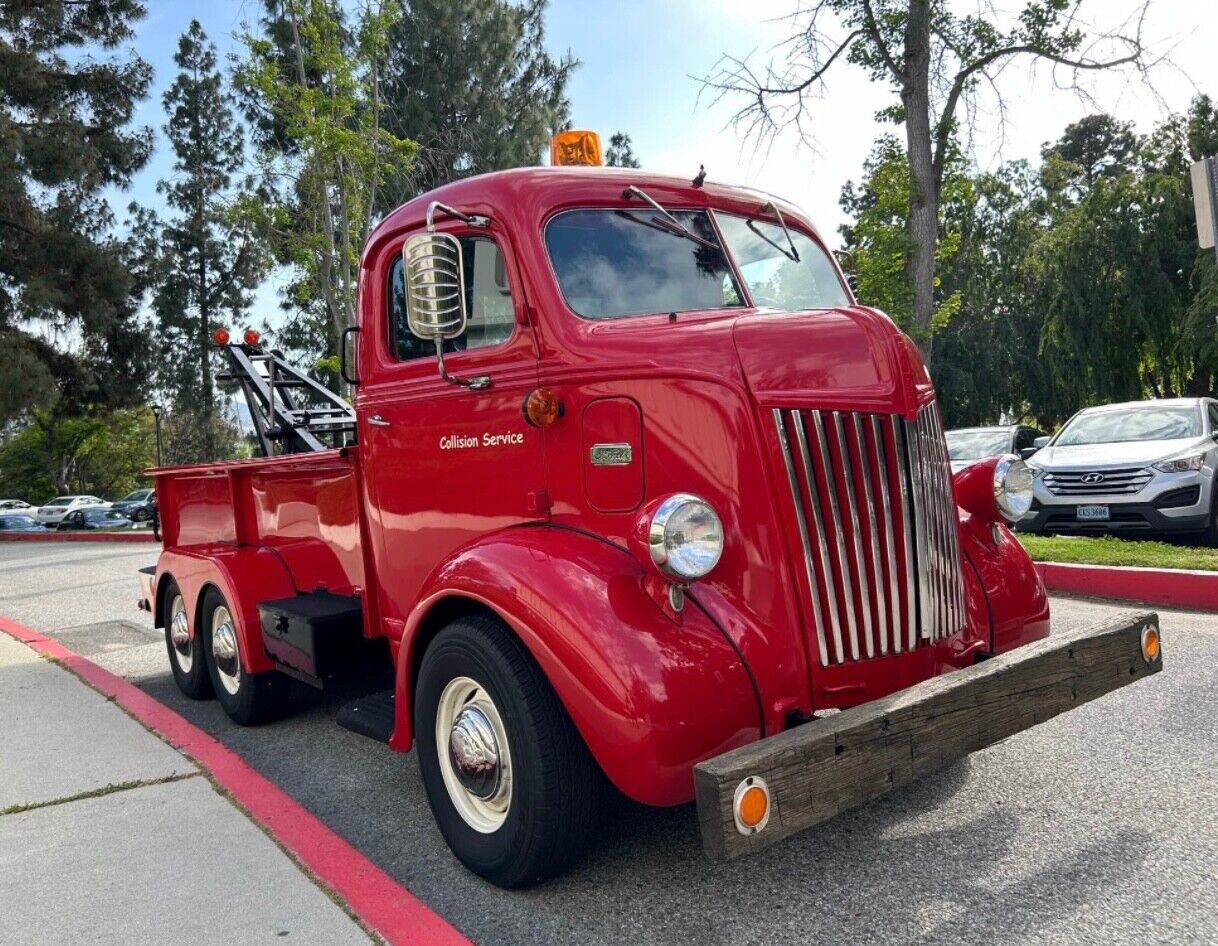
<point x="1110" y="550"/>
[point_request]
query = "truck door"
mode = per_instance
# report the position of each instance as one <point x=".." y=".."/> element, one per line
<point x="445" y="464"/>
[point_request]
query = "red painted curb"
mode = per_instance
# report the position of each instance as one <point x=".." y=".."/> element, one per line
<point x="380" y="902"/>
<point x="144" y="537"/>
<point x="1195" y="590"/>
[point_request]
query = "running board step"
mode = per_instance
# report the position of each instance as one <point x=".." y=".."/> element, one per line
<point x="370" y="716"/>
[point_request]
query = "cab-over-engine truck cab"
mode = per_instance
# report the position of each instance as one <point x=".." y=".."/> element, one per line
<point x="669" y="491"/>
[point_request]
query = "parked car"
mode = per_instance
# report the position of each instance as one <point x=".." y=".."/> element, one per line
<point x="19" y="522"/>
<point x="970" y="444"/>
<point x="95" y="517"/>
<point x="1144" y="467"/>
<point x="136" y="505"/>
<point x="60" y="506"/>
<point x="18" y="506"/>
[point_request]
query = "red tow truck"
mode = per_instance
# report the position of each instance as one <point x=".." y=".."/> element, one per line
<point x="633" y="495"/>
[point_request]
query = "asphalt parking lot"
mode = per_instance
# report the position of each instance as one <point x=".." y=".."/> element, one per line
<point x="1100" y="826"/>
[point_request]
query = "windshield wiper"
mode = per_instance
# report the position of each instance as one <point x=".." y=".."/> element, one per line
<point x="792" y="254"/>
<point x="668" y="222"/>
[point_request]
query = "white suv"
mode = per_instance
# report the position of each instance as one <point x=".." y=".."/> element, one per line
<point x="50" y="513"/>
<point x="1140" y="468"/>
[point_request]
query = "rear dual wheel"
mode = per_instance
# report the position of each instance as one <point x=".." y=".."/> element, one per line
<point x="513" y="788"/>
<point x="186" y="658"/>
<point x="248" y="698"/>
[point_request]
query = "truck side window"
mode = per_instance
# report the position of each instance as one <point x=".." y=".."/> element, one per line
<point x="1213" y="410"/>
<point x="488" y="301"/>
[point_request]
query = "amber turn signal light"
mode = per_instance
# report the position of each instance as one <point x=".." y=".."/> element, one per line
<point x="542" y="408"/>
<point x="252" y="337"/>
<point x="751" y="805"/>
<point x="220" y="336"/>
<point x="1150" y="643"/>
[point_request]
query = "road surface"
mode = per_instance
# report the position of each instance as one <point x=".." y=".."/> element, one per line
<point x="1100" y="826"/>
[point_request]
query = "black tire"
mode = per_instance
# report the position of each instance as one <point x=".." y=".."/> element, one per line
<point x="557" y="787"/>
<point x="189" y="669"/>
<point x="1209" y="537"/>
<point x="259" y="697"/>
<point x="141" y="515"/>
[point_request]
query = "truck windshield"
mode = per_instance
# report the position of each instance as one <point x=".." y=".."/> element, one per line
<point x="613" y="263"/>
<point x="773" y="278"/>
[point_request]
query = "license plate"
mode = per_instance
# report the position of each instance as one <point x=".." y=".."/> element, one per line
<point x="1093" y="513"/>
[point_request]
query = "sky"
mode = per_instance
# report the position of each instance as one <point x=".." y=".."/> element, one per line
<point x="642" y="61"/>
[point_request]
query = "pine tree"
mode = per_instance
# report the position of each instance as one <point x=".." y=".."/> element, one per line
<point x="472" y="83"/>
<point x="621" y="152"/>
<point x="64" y="137"/>
<point x="205" y="260"/>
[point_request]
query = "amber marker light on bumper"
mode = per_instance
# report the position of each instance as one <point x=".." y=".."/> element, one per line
<point x="1150" y="643"/>
<point x="751" y="805"/>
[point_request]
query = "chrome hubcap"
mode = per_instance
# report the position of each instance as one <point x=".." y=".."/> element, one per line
<point x="179" y="635"/>
<point x="224" y="650"/>
<point x="474" y="757"/>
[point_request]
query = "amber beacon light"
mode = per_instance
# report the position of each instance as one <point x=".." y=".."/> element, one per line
<point x="574" y="148"/>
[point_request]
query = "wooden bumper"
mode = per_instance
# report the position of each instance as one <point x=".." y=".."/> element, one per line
<point x="832" y="764"/>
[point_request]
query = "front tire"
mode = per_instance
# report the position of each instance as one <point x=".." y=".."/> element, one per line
<point x="186" y="658"/>
<point x="512" y="786"/>
<point x="250" y="699"/>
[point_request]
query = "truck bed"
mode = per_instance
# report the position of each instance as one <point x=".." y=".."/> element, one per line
<point x="306" y="507"/>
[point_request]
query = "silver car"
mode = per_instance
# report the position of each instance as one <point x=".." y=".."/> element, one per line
<point x="1141" y="468"/>
<point x="967" y="445"/>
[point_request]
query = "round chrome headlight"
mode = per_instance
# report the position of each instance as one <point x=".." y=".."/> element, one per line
<point x="685" y="537"/>
<point x="1012" y="487"/>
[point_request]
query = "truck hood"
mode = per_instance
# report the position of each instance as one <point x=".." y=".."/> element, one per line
<point x="840" y="359"/>
<point x="1099" y="456"/>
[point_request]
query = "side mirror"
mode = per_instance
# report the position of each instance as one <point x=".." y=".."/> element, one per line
<point x="1041" y="442"/>
<point x="434" y="274"/>
<point x="435" y="287"/>
<point x="1026" y="452"/>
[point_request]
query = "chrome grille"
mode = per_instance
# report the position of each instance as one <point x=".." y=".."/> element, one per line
<point x="1096" y="482"/>
<point x="877" y="525"/>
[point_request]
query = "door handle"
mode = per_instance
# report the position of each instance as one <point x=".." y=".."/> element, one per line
<point x="376" y="420"/>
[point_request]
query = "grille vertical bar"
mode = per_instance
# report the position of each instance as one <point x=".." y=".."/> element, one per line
<point x="883" y="573"/>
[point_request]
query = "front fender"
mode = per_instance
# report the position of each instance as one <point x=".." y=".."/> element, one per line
<point x="651" y="695"/>
<point x="1014" y="591"/>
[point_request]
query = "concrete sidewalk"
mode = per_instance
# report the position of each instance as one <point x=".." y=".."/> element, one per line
<point x="108" y="835"/>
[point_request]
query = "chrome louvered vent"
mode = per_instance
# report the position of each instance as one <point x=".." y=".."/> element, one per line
<point x="1096" y="482"/>
<point x="877" y="524"/>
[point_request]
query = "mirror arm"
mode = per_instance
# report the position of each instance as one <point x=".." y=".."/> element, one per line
<point x="477" y="383"/>
<point x="474" y="220"/>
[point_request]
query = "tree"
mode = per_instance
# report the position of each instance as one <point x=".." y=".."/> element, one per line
<point x="1094" y="147"/>
<point x="63" y="140"/>
<point x="204" y="262"/>
<point x="471" y="82"/>
<point x="935" y="61"/>
<point x="313" y="85"/>
<point x="101" y="453"/>
<point x="620" y="153"/>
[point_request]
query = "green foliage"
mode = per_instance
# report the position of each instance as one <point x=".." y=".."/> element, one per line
<point x="63" y="138"/>
<point x="1072" y="284"/>
<point x="620" y="153"/>
<point x="1109" y="550"/>
<point x="471" y="82"/>
<point x="99" y="453"/>
<point x="203" y="262"/>
<point x="313" y="84"/>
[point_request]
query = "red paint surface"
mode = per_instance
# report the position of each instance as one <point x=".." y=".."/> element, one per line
<point x="56" y="536"/>
<point x="1195" y="590"/>
<point x="424" y="511"/>
<point x="380" y="902"/>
